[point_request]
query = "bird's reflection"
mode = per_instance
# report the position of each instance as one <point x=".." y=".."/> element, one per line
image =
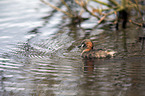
<point x="88" y="65"/>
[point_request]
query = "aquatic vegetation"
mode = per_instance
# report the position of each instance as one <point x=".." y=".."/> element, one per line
<point x="74" y="15"/>
<point x="58" y="9"/>
<point x="121" y="9"/>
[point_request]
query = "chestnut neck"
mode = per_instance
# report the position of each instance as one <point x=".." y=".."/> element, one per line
<point x="89" y="47"/>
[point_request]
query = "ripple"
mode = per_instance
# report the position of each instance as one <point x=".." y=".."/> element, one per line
<point x="48" y="63"/>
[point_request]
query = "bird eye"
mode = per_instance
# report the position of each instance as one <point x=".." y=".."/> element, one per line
<point x="83" y="45"/>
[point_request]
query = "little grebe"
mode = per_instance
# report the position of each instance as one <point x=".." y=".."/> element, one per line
<point x="90" y="53"/>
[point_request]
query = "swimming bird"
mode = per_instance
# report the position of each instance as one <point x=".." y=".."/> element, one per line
<point x="89" y="52"/>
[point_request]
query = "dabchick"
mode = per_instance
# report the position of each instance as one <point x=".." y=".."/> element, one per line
<point x="89" y="52"/>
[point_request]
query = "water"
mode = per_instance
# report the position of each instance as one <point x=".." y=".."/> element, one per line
<point x="39" y="55"/>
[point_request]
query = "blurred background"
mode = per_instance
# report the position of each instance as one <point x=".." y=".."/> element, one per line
<point x="39" y="54"/>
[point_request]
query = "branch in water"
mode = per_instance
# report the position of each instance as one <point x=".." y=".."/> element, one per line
<point x="56" y="8"/>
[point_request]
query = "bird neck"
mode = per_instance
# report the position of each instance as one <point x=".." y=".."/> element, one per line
<point x="87" y="49"/>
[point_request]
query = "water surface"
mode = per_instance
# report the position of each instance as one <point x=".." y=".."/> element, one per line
<point x="39" y="55"/>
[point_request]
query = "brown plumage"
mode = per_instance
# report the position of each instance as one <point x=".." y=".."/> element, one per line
<point x="89" y="52"/>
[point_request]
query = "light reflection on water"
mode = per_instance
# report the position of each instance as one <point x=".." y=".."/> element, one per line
<point x="40" y="58"/>
<point x="63" y="75"/>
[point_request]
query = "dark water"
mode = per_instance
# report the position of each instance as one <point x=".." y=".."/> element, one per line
<point x="39" y="55"/>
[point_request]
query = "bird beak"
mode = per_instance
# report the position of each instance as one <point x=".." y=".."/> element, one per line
<point x="81" y="46"/>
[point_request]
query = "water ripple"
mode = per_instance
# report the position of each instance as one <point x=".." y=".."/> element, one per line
<point x="39" y="57"/>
